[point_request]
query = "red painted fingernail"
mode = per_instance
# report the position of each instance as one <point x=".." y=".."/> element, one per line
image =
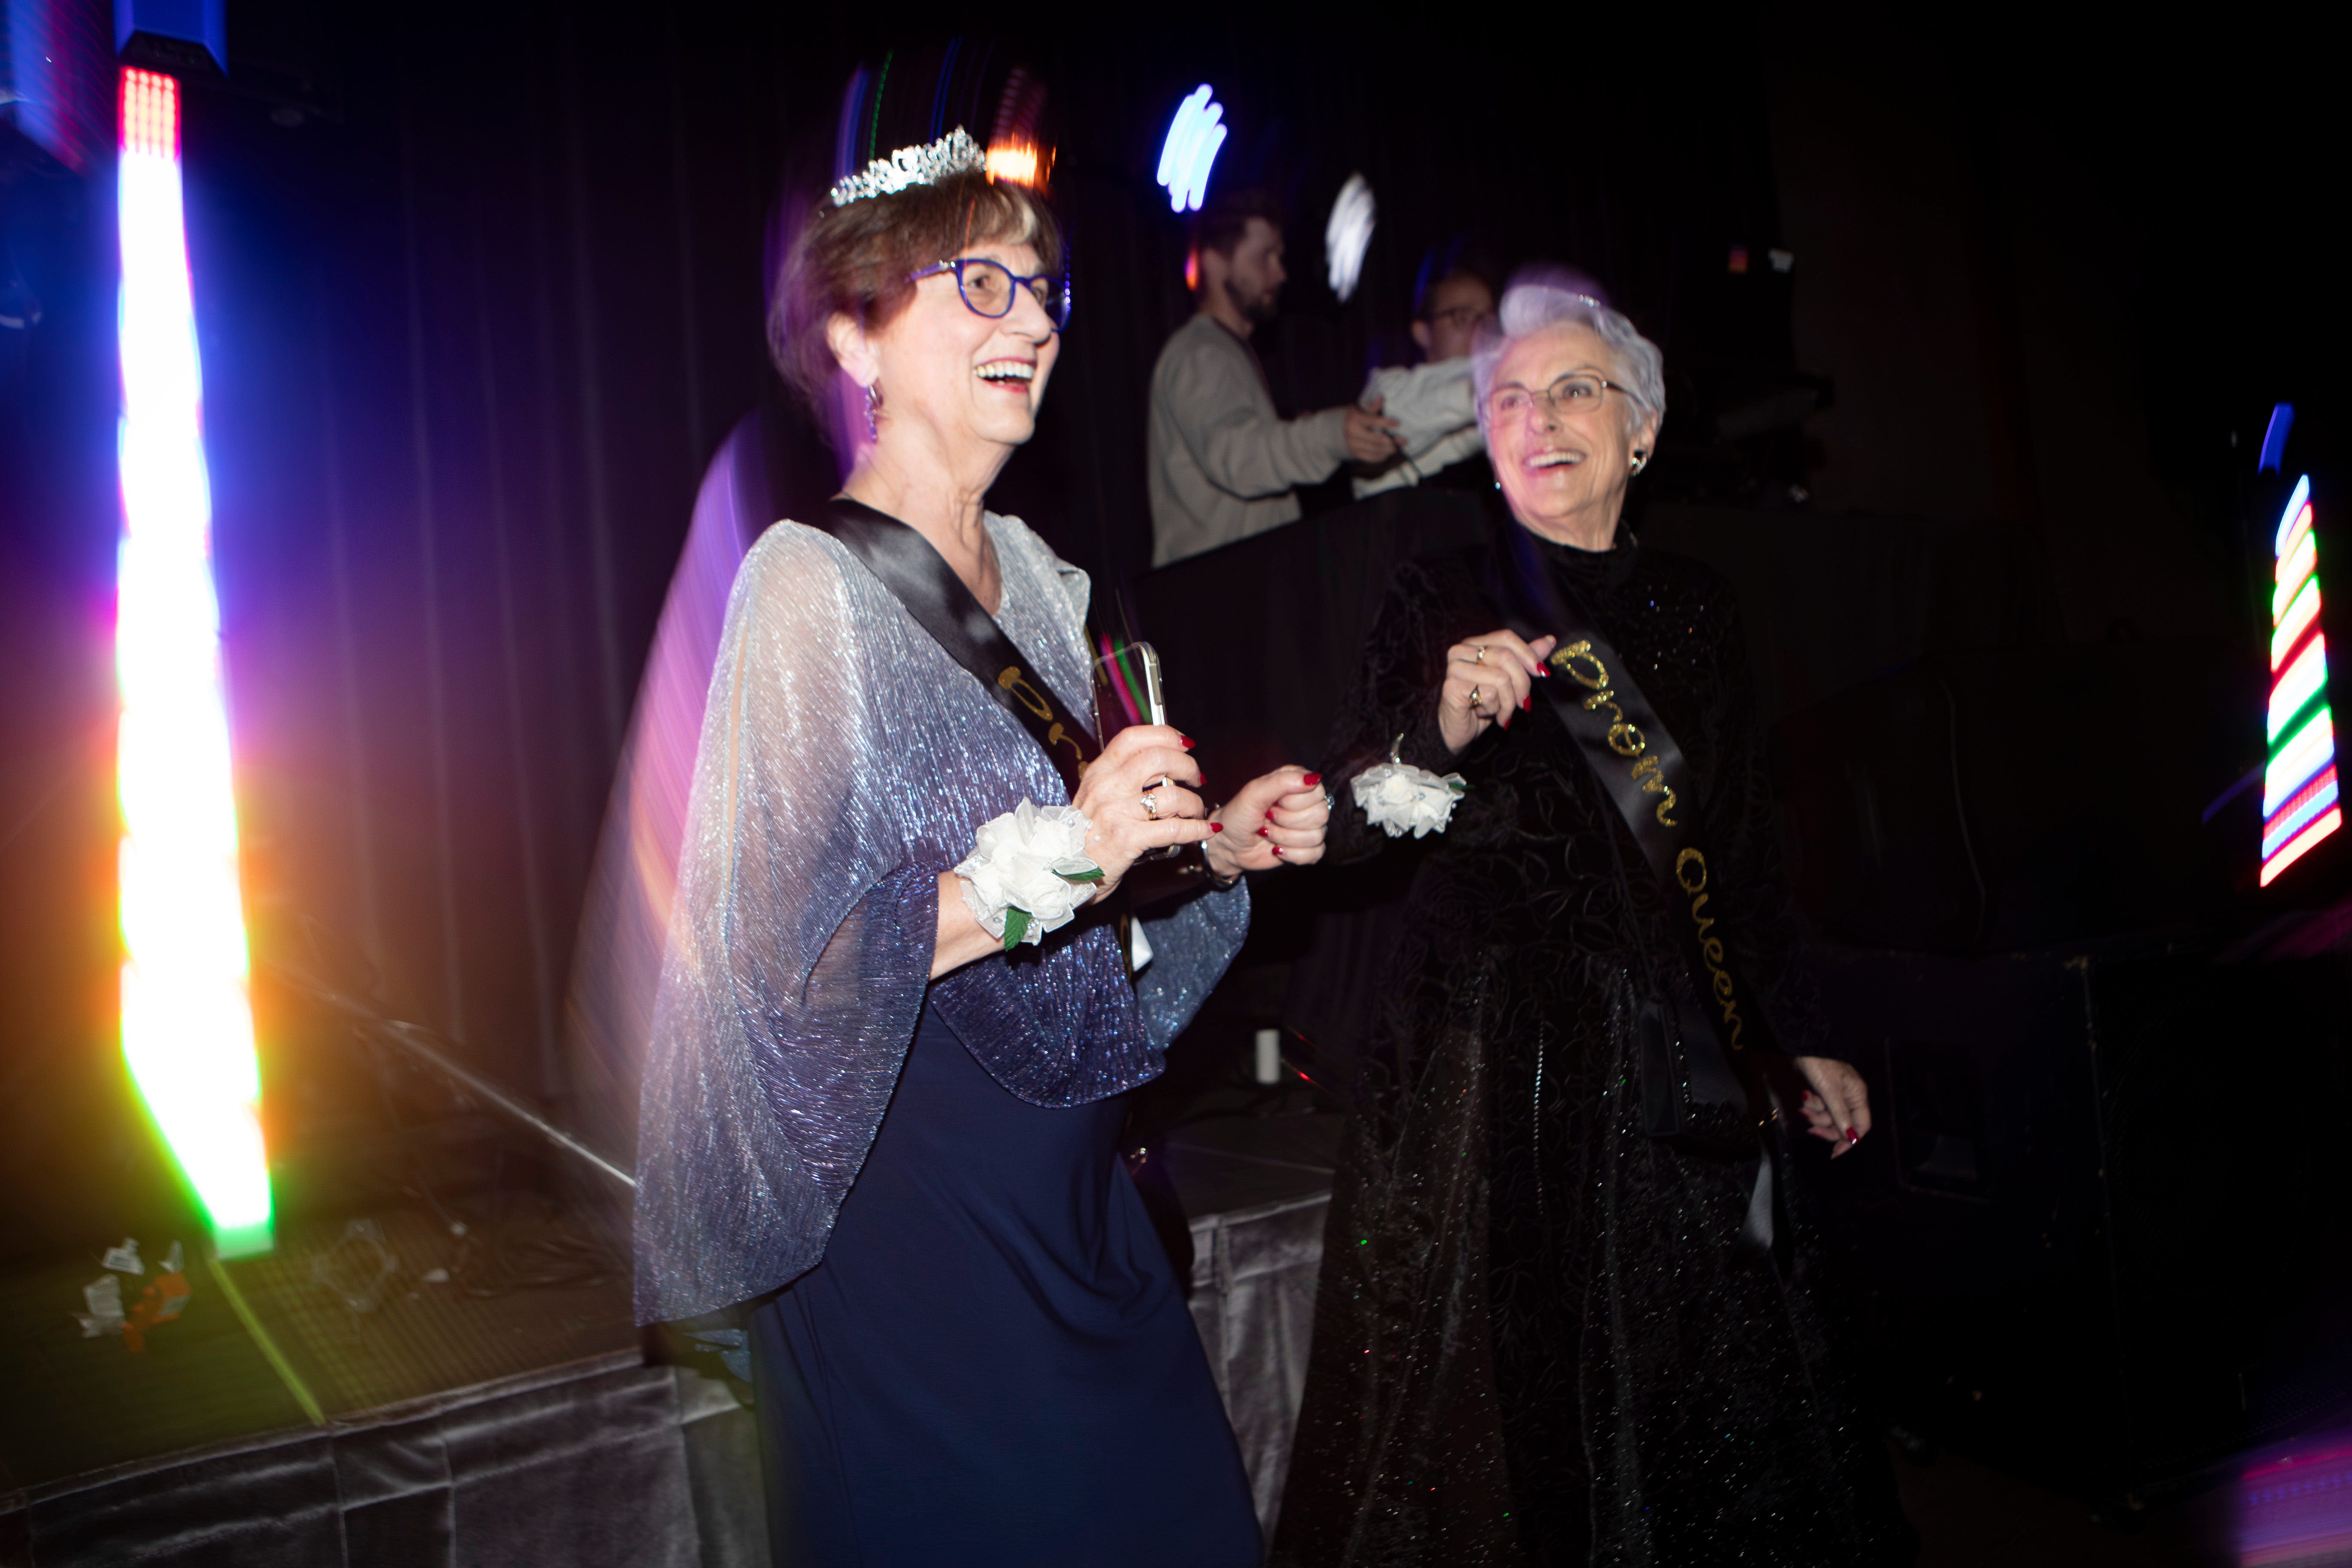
<point x="1528" y="704"/>
<point x="1216" y="827"/>
<point x="1187" y="739"/>
<point x="1312" y="779"/>
<point x="1851" y="1136"/>
<point x="1543" y="673"/>
<point x="1261" y="833"/>
<point x="1277" y="851"/>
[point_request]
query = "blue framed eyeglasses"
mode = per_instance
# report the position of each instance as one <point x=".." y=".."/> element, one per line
<point x="987" y="287"/>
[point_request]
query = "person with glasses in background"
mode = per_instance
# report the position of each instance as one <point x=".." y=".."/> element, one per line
<point x="1570" y="1307"/>
<point x="1223" y="463"/>
<point x="897" y="1018"/>
<point x="1438" y="442"/>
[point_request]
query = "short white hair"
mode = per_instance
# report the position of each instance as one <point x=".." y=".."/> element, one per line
<point x="1541" y="296"/>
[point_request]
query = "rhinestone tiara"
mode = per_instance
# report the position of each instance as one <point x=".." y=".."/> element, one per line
<point x="953" y="154"/>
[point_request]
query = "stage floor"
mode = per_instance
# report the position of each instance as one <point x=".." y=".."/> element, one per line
<point x="520" y="1290"/>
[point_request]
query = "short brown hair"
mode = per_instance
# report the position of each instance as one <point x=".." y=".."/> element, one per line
<point x="1226" y="219"/>
<point x="854" y="261"/>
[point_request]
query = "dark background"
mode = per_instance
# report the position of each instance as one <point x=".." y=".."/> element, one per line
<point x="479" y="290"/>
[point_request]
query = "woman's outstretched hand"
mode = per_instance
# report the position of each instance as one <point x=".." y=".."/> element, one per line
<point x="1838" y="1105"/>
<point x="1277" y="819"/>
<point x="1487" y="680"/>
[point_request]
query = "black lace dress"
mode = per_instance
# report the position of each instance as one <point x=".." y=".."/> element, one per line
<point x="1534" y="1340"/>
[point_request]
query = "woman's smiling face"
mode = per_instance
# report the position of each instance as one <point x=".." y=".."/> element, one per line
<point x="1564" y="470"/>
<point x="967" y="376"/>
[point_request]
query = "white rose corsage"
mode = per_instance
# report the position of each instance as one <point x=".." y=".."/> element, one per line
<point x="1400" y="798"/>
<point x="1028" y="872"/>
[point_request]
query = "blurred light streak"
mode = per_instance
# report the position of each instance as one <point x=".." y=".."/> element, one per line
<point x="2298" y="519"/>
<point x="2301" y="682"/>
<point x="1016" y="162"/>
<point x="57" y="59"/>
<point x="1193" y="138"/>
<point x="2296" y="759"/>
<point x="2294" y="623"/>
<point x="2297" y="812"/>
<point x="2274" y="439"/>
<point x="1015" y="150"/>
<point x="187" y="1022"/>
<point x="1349" y="234"/>
<point x="2294" y="568"/>
<point x="625" y="917"/>
<point x="2303" y="805"/>
<point x="2297" y="1508"/>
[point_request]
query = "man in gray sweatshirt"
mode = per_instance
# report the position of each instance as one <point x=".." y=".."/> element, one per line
<point x="1223" y="466"/>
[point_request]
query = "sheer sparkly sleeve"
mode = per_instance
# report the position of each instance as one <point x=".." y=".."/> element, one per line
<point x="799" y="947"/>
<point x="1192" y="944"/>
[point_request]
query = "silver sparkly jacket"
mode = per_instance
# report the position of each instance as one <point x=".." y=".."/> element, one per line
<point x="845" y="762"/>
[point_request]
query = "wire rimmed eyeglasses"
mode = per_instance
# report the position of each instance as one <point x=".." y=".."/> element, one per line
<point x="1570" y="397"/>
<point x="987" y="287"/>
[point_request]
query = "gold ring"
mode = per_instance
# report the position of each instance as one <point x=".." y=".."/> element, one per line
<point x="1475" y="699"/>
<point x="1482" y="653"/>
<point x="1151" y="806"/>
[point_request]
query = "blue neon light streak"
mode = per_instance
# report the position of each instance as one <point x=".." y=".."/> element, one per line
<point x="2274" y="439"/>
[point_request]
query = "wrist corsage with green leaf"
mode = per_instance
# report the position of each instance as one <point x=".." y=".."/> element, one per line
<point x="1028" y="872"/>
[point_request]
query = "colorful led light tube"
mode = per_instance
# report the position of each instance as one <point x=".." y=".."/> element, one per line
<point x="187" y="1022"/>
<point x="2299" y="782"/>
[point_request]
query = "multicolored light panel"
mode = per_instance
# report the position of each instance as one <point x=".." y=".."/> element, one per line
<point x="187" y="1025"/>
<point x="2299" y="786"/>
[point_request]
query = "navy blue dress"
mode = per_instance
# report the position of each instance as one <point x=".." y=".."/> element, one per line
<point x="994" y="1364"/>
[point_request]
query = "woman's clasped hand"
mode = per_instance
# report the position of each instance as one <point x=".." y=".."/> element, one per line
<point x="1487" y="680"/>
<point x="1277" y="819"/>
<point x="1143" y="794"/>
<point x="1140" y="795"/>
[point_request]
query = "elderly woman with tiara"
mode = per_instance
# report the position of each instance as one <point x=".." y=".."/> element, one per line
<point x="1568" y="1311"/>
<point x="898" y="1015"/>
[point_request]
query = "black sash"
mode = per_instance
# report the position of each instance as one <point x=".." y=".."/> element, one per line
<point x="921" y="580"/>
<point x="1704" y="1046"/>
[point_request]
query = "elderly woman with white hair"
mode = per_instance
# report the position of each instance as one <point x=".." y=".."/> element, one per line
<point x="1568" y="1311"/>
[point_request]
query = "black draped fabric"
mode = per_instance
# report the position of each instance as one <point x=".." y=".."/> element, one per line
<point x="1534" y="1341"/>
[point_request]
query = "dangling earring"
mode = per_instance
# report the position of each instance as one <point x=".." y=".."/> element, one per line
<point x="1640" y="460"/>
<point x="873" y="402"/>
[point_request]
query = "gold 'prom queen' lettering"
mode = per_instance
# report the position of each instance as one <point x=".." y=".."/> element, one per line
<point x="1013" y="680"/>
<point x="1625" y="739"/>
<point x="1690" y="875"/>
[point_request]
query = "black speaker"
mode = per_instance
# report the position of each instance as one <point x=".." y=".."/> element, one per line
<point x="2098" y="1231"/>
